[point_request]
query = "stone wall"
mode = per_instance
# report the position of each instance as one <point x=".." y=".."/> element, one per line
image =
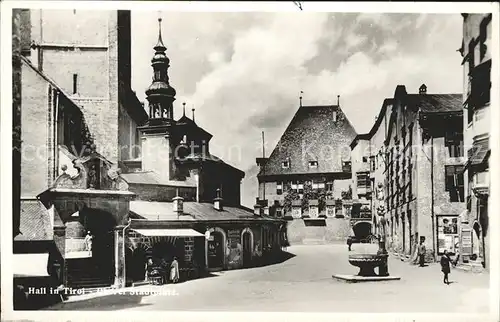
<point x="335" y="230"/>
<point x="34" y="133"/>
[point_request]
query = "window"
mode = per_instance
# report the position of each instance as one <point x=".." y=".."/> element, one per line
<point x="479" y="114"/>
<point x="346" y="166"/>
<point x="301" y="188"/>
<point x="321" y="185"/>
<point x="329" y="186"/>
<point x="365" y="159"/>
<point x="279" y="212"/>
<point x="279" y="188"/>
<point x="454" y="144"/>
<point x="313" y="164"/>
<point x="75" y="83"/>
<point x="372" y="163"/>
<point x="363" y="180"/>
<point x="454" y="184"/>
<point x="285" y="164"/>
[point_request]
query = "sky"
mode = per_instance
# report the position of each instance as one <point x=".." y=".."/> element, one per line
<point x="243" y="72"/>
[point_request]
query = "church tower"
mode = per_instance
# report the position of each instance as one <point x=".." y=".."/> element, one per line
<point x="158" y="143"/>
<point x="160" y="94"/>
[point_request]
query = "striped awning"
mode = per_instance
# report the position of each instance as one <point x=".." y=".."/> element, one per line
<point x="30" y="265"/>
<point x="169" y="232"/>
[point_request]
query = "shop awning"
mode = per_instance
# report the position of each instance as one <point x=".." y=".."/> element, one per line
<point x="30" y="265"/>
<point x="169" y="232"/>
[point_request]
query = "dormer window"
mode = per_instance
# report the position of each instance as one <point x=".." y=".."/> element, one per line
<point x="313" y="164"/>
<point x="285" y="164"/>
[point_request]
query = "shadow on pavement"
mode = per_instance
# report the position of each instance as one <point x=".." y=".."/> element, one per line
<point x="103" y="303"/>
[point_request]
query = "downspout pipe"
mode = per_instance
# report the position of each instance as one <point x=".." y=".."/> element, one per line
<point x="434" y="250"/>
<point x="124" y="255"/>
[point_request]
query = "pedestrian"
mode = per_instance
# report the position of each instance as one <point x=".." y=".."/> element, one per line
<point x="445" y="266"/>
<point x="88" y="242"/>
<point x="349" y="243"/>
<point x="174" y="271"/>
<point x="421" y="252"/>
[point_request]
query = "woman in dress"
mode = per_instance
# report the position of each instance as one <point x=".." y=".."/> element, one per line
<point x="174" y="271"/>
<point x="445" y="266"/>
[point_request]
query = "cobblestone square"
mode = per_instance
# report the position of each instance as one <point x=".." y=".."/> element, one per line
<point x="305" y="283"/>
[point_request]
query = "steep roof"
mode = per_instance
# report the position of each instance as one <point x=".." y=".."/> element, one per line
<point x="35" y="221"/>
<point x="312" y="135"/>
<point x="436" y="103"/>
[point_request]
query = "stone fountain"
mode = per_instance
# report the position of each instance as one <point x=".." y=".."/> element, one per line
<point x="368" y="262"/>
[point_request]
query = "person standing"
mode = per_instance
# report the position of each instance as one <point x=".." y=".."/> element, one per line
<point x="88" y="242"/>
<point x="421" y="252"/>
<point x="174" y="271"/>
<point x="445" y="266"/>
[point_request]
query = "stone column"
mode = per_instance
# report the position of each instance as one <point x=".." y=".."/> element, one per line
<point x="120" y="274"/>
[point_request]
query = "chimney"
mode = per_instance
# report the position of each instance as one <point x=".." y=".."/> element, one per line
<point x="218" y="201"/>
<point x="178" y="205"/>
<point x="257" y="207"/>
<point x="422" y="89"/>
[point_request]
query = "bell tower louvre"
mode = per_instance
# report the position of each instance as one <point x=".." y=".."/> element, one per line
<point x="160" y="94"/>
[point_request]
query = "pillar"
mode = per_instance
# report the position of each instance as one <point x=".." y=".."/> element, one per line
<point x="60" y="241"/>
<point x="120" y="274"/>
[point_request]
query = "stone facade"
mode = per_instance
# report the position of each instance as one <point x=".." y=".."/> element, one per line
<point x="92" y="65"/>
<point x="476" y="51"/>
<point x="414" y="162"/>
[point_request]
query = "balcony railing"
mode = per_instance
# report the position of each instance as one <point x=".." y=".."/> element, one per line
<point x="76" y="248"/>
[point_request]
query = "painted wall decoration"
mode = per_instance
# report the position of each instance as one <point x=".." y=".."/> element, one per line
<point x="234" y="249"/>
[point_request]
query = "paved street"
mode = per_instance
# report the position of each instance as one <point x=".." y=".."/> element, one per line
<point x="305" y="283"/>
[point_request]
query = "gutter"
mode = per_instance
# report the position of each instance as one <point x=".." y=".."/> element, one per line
<point x="434" y="250"/>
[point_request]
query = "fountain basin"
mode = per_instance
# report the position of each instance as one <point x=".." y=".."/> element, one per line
<point x="367" y="263"/>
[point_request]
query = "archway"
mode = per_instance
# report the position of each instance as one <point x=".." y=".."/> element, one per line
<point x="137" y="263"/>
<point x="362" y="229"/>
<point x="216" y="249"/>
<point x="247" y="244"/>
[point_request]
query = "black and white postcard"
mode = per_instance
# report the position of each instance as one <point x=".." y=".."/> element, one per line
<point x="289" y="160"/>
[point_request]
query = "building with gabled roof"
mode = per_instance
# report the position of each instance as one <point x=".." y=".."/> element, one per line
<point x="310" y="162"/>
<point x="412" y="159"/>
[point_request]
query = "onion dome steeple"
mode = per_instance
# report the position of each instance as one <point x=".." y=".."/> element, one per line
<point x="160" y="94"/>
